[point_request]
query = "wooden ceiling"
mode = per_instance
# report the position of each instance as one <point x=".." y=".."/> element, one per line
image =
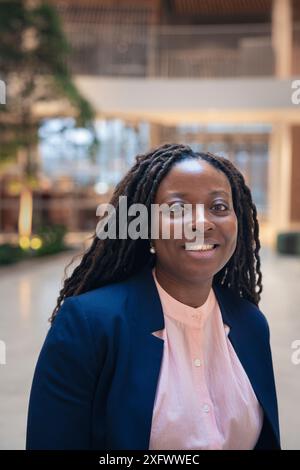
<point x="221" y="7"/>
<point x="218" y="11"/>
<point x="108" y="11"/>
<point x="165" y="11"/>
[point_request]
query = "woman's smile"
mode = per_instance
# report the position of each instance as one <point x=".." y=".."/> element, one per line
<point x="202" y="252"/>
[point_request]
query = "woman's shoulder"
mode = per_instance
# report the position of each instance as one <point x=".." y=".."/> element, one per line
<point x="101" y="304"/>
<point x="108" y="296"/>
<point x="87" y="321"/>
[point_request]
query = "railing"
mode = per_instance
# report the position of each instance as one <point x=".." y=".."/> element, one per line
<point x="75" y="210"/>
<point x="171" y="51"/>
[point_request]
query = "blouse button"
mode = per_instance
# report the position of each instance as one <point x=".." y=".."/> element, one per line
<point x="205" y="408"/>
<point x="197" y="362"/>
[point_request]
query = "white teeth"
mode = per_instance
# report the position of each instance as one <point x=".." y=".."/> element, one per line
<point x="201" y="247"/>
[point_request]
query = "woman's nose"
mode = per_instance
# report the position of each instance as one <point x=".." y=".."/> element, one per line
<point x="201" y="219"/>
<point x="198" y="223"/>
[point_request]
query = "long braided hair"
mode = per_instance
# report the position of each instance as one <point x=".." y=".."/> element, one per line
<point x="111" y="260"/>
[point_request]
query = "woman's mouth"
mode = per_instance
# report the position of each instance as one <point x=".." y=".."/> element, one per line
<point x="201" y="251"/>
<point x="201" y="247"/>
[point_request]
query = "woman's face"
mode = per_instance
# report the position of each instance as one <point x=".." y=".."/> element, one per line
<point x="194" y="182"/>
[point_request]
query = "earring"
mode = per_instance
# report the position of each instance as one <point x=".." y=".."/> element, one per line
<point x="152" y="249"/>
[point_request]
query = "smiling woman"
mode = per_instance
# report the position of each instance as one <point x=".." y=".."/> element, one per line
<point x="188" y="274"/>
<point x="155" y="346"/>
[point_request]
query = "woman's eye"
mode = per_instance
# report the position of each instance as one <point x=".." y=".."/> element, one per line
<point x="177" y="207"/>
<point x="220" y="207"/>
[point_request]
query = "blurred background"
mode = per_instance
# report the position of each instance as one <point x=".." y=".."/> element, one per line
<point x="91" y="83"/>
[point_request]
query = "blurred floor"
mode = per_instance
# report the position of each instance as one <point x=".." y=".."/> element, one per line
<point x="28" y="292"/>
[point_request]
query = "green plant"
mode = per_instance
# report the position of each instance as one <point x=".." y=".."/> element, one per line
<point x="52" y="238"/>
<point x="33" y="61"/>
<point x="10" y="254"/>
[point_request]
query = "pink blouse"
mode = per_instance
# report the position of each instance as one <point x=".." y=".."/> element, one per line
<point x="204" y="399"/>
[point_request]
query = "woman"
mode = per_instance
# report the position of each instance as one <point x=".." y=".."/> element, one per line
<point x="156" y="346"/>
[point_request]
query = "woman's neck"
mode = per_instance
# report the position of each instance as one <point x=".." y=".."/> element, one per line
<point x="192" y="294"/>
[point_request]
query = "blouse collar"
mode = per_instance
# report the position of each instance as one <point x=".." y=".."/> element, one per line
<point x="190" y="316"/>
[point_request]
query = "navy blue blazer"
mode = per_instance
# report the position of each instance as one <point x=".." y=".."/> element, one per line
<point x="96" y="376"/>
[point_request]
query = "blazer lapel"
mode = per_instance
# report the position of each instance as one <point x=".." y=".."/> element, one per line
<point x="147" y="352"/>
<point x="252" y="353"/>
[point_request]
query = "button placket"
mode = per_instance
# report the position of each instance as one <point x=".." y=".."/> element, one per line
<point x="205" y="407"/>
<point x="197" y="361"/>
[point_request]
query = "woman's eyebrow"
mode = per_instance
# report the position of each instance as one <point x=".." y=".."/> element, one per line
<point x="218" y="191"/>
<point x="176" y="194"/>
<point x="183" y="195"/>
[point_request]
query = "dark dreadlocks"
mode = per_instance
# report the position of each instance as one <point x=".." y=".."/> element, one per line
<point x="112" y="260"/>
